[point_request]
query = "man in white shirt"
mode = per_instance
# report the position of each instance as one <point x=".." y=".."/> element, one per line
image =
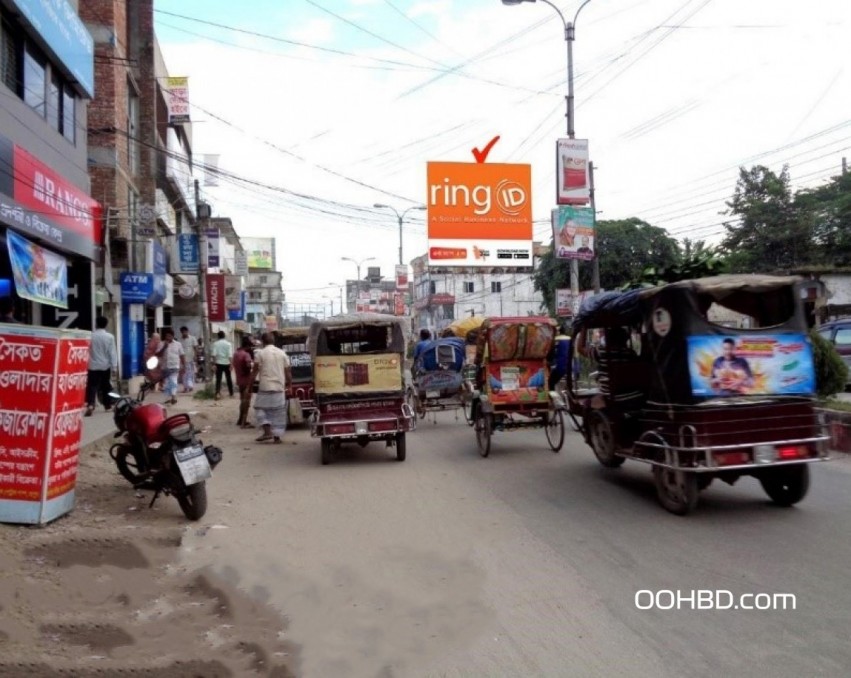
<point x="103" y="358"/>
<point x="222" y="354"/>
<point x="190" y="348"/>
<point x="272" y="366"/>
<point x="175" y="362"/>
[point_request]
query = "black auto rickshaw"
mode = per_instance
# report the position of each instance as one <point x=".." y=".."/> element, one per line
<point x="697" y="400"/>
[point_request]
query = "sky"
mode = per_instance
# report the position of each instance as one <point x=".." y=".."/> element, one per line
<point x="319" y="109"/>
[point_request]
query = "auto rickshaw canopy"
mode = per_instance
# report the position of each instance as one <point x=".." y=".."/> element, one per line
<point x="520" y="338"/>
<point x="359" y="333"/>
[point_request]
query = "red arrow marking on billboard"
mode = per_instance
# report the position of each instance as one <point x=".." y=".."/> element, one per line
<point x="482" y="155"/>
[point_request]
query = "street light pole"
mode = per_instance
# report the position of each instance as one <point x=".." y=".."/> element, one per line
<point x="358" y="265"/>
<point x="401" y="218"/>
<point x="569" y="37"/>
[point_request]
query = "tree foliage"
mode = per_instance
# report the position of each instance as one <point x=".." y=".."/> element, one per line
<point x="697" y="261"/>
<point x="778" y="230"/>
<point x="831" y="370"/>
<point x="626" y="247"/>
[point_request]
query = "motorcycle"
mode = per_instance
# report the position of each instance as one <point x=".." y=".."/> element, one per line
<point x="162" y="453"/>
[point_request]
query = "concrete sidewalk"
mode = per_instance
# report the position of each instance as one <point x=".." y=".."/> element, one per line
<point x="96" y="428"/>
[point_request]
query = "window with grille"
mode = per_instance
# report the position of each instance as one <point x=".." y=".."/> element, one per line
<point x="496" y="287"/>
<point x="35" y="80"/>
<point x="9" y="56"/>
<point x="468" y="288"/>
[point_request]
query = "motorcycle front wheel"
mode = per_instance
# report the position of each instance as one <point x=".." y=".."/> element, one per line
<point x="193" y="500"/>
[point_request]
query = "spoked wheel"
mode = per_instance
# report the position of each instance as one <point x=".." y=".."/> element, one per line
<point x="554" y="427"/>
<point x="130" y="466"/>
<point x="484" y="429"/>
<point x="326" y="451"/>
<point x="677" y="490"/>
<point x="602" y="439"/>
<point x="786" y="485"/>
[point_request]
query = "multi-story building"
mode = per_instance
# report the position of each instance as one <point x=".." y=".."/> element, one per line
<point x="265" y="299"/>
<point x="141" y="169"/>
<point x="442" y="295"/>
<point x="47" y="212"/>
<point x="373" y="294"/>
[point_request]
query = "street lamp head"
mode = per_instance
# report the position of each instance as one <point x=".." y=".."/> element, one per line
<point x="515" y="2"/>
<point x="378" y="205"/>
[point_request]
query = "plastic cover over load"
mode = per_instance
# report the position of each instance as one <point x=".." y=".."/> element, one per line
<point x="610" y="309"/>
<point x="449" y="352"/>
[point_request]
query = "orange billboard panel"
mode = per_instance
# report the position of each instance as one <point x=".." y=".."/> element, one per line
<point x="479" y="214"/>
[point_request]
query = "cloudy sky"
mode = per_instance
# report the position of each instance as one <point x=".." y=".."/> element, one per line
<point x="319" y="109"/>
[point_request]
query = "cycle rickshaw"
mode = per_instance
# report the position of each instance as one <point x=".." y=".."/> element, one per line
<point x="510" y="390"/>
<point x="438" y="377"/>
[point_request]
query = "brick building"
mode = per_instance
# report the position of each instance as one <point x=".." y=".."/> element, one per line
<point x="141" y="169"/>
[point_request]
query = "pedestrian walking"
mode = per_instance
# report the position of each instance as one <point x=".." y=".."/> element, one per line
<point x="272" y="368"/>
<point x="152" y="350"/>
<point x="103" y="358"/>
<point x="190" y="348"/>
<point x="222" y="354"/>
<point x="243" y="364"/>
<point x="174" y="362"/>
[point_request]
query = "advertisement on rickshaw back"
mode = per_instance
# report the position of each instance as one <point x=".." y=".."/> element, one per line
<point x="358" y="373"/>
<point x="772" y="364"/>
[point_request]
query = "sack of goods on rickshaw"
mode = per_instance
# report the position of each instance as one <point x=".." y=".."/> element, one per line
<point x="439" y="384"/>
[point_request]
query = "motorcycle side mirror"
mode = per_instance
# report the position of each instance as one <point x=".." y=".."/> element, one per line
<point x="152" y="363"/>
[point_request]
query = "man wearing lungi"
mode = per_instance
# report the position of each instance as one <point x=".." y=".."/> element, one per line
<point x="272" y="367"/>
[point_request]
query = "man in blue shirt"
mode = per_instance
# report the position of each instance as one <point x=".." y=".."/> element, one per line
<point x="559" y="359"/>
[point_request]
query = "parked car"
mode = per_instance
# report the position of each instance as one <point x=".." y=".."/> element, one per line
<point x="838" y="333"/>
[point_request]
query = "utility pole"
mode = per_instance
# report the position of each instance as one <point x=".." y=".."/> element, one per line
<point x="202" y="220"/>
<point x="596" y="262"/>
<point x="844" y="164"/>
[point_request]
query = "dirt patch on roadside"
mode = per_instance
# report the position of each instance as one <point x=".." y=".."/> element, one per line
<point x="100" y="592"/>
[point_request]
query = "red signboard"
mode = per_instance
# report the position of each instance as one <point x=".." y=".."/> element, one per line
<point x="42" y="381"/>
<point x="216" y="309"/>
<point x="41" y="189"/>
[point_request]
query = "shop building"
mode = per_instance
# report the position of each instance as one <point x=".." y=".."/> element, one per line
<point x="50" y="226"/>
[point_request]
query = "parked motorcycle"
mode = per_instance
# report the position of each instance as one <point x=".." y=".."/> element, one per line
<point x="162" y="453"/>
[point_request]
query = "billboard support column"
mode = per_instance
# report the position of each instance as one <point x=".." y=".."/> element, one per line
<point x="202" y="213"/>
<point x="596" y="264"/>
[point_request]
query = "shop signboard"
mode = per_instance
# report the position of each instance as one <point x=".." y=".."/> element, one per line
<point x="38" y="202"/>
<point x="59" y="25"/>
<point x="216" y="297"/>
<point x="188" y="260"/>
<point x="43" y="374"/>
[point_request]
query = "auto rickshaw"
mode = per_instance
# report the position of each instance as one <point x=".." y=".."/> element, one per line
<point x="511" y="388"/>
<point x="358" y="362"/>
<point x="438" y="377"/>
<point x="301" y="398"/>
<point x="697" y="400"/>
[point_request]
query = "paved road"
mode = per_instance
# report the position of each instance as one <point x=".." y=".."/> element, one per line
<point x="525" y="563"/>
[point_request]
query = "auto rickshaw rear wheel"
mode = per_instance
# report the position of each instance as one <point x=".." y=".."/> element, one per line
<point x="400" y="446"/>
<point x="326" y="451"/>
<point x="601" y="437"/>
<point x="484" y="428"/>
<point x="786" y="485"/>
<point x="677" y="490"/>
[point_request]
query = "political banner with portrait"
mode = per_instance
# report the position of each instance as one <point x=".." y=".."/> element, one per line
<point x="40" y="275"/>
<point x="573" y="232"/>
<point x="771" y="364"/>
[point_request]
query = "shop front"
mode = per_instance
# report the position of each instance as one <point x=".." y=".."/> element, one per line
<point x="50" y="235"/>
